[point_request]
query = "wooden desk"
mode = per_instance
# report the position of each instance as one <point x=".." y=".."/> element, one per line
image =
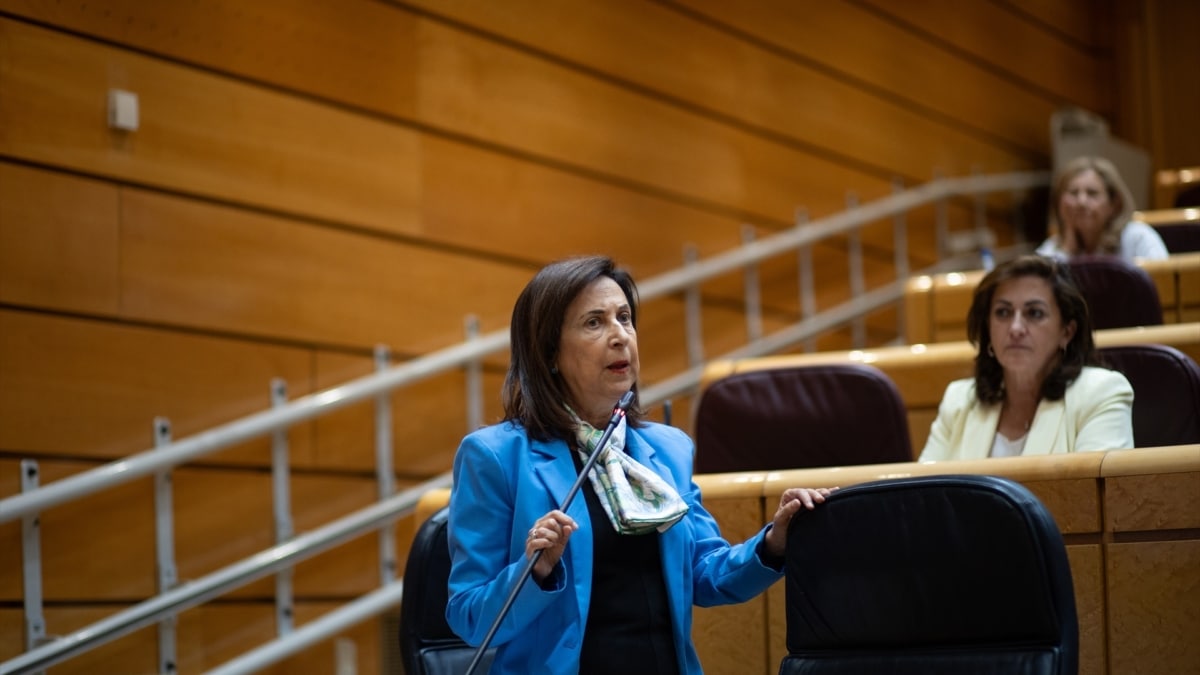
<point x="1130" y="520"/>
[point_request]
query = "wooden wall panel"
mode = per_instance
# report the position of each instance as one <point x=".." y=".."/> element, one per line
<point x="726" y="75"/>
<point x="220" y="268"/>
<point x="85" y="388"/>
<point x="1006" y="42"/>
<point x="499" y="95"/>
<point x="878" y="55"/>
<point x="202" y="134"/>
<point x="360" y="53"/>
<point x="58" y="241"/>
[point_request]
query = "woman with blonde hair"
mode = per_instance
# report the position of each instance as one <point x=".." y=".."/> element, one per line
<point x="1090" y="214"/>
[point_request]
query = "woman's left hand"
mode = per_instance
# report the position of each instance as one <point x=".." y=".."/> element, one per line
<point x="792" y="500"/>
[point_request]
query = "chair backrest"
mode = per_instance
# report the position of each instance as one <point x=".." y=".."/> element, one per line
<point x="800" y="417"/>
<point x="931" y="575"/>
<point x="1166" y="392"/>
<point x="1180" y="237"/>
<point x="1119" y="294"/>
<point x="427" y="645"/>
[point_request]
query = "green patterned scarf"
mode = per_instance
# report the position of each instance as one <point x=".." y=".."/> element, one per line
<point x="635" y="498"/>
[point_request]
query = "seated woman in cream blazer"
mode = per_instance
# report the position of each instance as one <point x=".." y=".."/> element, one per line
<point x="1037" y="388"/>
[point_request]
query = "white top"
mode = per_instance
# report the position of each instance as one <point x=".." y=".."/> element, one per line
<point x="1002" y="447"/>
<point x="1138" y="240"/>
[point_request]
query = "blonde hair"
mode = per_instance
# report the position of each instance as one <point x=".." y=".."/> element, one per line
<point x="1118" y="194"/>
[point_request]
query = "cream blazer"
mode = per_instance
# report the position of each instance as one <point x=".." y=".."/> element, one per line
<point x="1096" y="413"/>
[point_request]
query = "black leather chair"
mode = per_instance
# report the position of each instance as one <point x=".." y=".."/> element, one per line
<point x="1119" y="294"/>
<point x="801" y="417"/>
<point x="932" y="576"/>
<point x="1166" y="392"/>
<point x="427" y="645"/>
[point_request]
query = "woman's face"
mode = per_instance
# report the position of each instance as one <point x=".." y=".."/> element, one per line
<point x="597" y="353"/>
<point x="1026" y="327"/>
<point x="1085" y="208"/>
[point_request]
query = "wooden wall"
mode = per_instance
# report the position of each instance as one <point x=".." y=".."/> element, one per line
<point x="311" y="179"/>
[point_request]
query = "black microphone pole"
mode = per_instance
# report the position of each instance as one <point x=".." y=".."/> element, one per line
<point x="617" y="414"/>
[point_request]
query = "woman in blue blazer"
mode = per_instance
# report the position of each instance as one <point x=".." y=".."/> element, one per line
<point x="642" y="549"/>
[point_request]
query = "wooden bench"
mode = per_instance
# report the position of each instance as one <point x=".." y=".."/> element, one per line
<point x="1129" y="519"/>
<point x="936" y="306"/>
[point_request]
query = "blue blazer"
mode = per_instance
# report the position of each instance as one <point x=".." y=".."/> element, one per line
<point x="504" y="481"/>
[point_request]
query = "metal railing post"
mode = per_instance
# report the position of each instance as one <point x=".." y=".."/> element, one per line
<point x="31" y="562"/>
<point x="282" y="502"/>
<point x="858" y="325"/>
<point x="383" y="467"/>
<point x="474" y="371"/>
<point x="692" y="323"/>
<point x="808" y="293"/>
<point x="753" y="291"/>
<point x="900" y="252"/>
<point x="164" y="545"/>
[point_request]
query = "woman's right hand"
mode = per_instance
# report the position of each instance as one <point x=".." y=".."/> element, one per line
<point x="549" y="535"/>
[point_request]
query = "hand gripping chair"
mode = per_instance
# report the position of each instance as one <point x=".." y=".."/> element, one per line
<point x="935" y="575"/>
<point x="1166" y="392"/>
<point x="427" y="645"/>
<point x="1119" y="294"/>
<point x="800" y="417"/>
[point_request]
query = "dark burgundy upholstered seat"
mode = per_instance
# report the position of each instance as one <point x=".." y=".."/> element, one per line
<point x="1166" y="393"/>
<point x="1119" y="294"/>
<point x="800" y="417"/>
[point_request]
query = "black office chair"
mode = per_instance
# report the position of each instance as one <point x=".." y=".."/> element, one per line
<point x="931" y="576"/>
<point x="427" y="645"/>
<point x="1119" y="294"/>
<point x="1166" y="392"/>
<point x="800" y="417"/>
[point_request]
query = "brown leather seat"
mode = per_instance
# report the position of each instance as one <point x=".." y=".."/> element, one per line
<point x="1166" y="393"/>
<point x="800" y="417"/>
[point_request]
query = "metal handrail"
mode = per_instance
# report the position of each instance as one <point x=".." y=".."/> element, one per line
<point x="307" y="407"/>
<point x="382" y="513"/>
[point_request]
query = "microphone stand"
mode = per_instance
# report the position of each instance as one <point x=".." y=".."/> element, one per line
<point x="617" y="414"/>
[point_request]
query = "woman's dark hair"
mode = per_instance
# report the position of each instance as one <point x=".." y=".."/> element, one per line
<point x="1079" y="352"/>
<point x="534" y="394"/>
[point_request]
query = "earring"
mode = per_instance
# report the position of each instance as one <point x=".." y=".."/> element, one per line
<point x="991" y="352"/>
<point x="553" y="370"/>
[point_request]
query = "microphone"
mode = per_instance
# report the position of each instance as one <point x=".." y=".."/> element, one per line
<point x="617" y="413"/>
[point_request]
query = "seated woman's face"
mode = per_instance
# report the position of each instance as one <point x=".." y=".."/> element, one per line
<point x="1085" y="208"/>
<point x="598" y="353"/>
<point x="1026" y="326"/>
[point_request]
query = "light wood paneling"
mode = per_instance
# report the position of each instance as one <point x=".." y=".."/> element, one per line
<point x="1087" y="576"/>
<point x="1005" y="41"/>
<point x="202" y="134"/>
<point x="219" y="268"/>
<point x="876" y="54"/>
<point x="730" y="76"/>
<point x="1154" y="606"/>
<point x="58" y="241"/>
<point x="360" y="53"/>
<point x="92" y="389"/>
<point x="728" y="638"/>
<point x="500" y="95"/>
